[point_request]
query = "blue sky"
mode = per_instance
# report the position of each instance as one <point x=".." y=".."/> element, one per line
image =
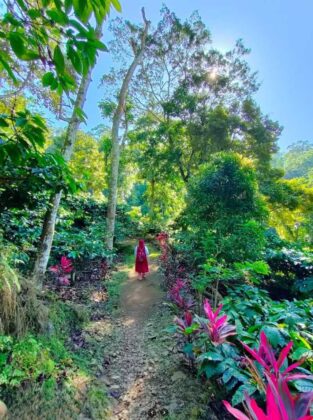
<point x="280" y="35"/>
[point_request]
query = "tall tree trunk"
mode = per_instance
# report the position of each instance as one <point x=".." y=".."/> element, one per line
<point x="48" y="228"/>
<point x="115" y="152"/>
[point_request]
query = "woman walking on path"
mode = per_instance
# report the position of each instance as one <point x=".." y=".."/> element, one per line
<point x="141" y="255"/>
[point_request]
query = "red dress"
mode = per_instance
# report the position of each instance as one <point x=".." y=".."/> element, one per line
<point x="141" y="265"/>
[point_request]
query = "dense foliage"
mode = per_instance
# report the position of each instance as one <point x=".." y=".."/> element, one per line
<point x="198" y="161"/>
<point x="255" y="282"/>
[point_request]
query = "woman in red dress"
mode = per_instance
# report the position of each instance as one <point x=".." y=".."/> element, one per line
<point x="141" y="254"/>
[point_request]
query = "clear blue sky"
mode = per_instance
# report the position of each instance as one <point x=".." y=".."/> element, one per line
<point x="280" y="35"/>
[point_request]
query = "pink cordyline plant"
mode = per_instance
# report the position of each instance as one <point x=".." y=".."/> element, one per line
<point x="218" y="329"/>
<point x="178" y="286"/>
<point x="266" y="357"/>
<point x="185" y="322"/>
<point x="162" y="237"/>
<point x="184" y="302"/>
<point x="280" y="404"/>
<point x="63" y="270"/>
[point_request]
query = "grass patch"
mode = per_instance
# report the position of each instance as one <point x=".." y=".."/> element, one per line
<point x="114" y="286"/>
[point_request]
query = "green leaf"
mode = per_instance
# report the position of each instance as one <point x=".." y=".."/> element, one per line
<point x="304" y="385"/>
<point x="82" y="9"/>
<point x="274" y="336"/>
<point x="17" y="43"/>
<point x="99" y="45"/>
<point x="227" y="375"/>
<point x="210" y="355"/>
<point x="4" y="60"/>
<point x="68" y="5"/>
<point x="3" y="122"/>
<point x="191" y="329"/>
<point x="30" y="55"/>
<point x="75" y="59"/>
<point x="58" y="16"/>
<point x="22" y="4"/>
<point x="302" y="352"/>
<point x="48" y="79"/>
<point x="239" y="395"/>
<point x="34" y="13"/>
<point x="117" y="5"/>
<point x="58" y="59"/>
<point x="80" y="113"/>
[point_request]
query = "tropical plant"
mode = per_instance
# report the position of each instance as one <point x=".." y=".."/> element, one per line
<point x="62" y="271"/>
<point x="217" y="329"/>
<point x="186" y="324"/>
<point x="179" y="294"/>
<point x="276" y="376"/>
<point x="280" y="404"/>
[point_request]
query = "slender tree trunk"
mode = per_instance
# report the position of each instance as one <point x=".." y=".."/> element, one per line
<point x="115" y="152"/>
<point x="152" y="198"/>
<point x="48" y="228"/>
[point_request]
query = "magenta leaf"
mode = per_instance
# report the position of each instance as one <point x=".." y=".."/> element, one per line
<point x="284" y="353"/>
<point x="235" y="412"/>
<point x="54" y="269"/>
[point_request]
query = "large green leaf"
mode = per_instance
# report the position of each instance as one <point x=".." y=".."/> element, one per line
<point x="58" y="59"/>
<point x="304" y="385"/>
<point x="239" y="395"/>
<point x="17" y="43"/>
<point x="58" y="16"/>
<point x="274" y="335"/>
<point x="302" y="352"/>
<point x="75" y="59"/>
<point x="48" y="79"/>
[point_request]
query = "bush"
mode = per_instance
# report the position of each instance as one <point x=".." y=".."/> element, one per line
<point x="225" y="210"/>
<point x="24" y="360"/>
<point x="292" y="273"/>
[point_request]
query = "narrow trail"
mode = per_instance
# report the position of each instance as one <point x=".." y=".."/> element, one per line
<point x="143" y="371"/>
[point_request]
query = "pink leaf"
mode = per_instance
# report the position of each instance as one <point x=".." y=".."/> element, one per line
<point x="222" y="320"/>
<point x="255" y="355"/>
<point x="54" y="269"/>
<point x="271" y="406"/>
<point x="257" y="412"/>
<point x="273" y="384"/>
<point x="295" y="376"/>
<point x="236" y="413"/>
<point x="293" y="366"/>
<point x="208" y="310"/>
<point x="66" y="264"/>
<point x="64" y="281"/>
<point x="267" y="348"/>
<point x="188" y="318"/>
<point x="284" y="353"/>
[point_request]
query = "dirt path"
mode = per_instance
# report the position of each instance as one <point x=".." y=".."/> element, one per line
<point x="143" y="371"/>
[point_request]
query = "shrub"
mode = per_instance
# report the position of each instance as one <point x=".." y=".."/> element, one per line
<point x="225" y="209"/>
